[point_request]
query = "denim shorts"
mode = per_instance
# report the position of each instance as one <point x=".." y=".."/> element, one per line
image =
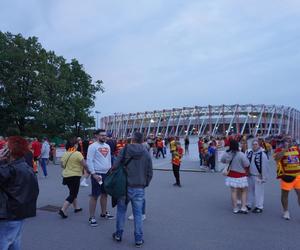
<point x="97" y="190"/>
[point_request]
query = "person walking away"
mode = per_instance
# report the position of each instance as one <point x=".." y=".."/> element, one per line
<point x="186" y="145"/>
<point x="258" y="174"/>
<point x="73" y="164"/>
<point x="45" y="153"/>
<point x="211" y="157"/>
<point x="176" y="161"/>
<point x="18" y="192"/>
<point x="159" y="148"/>
<point x="287" y="158"/>
<point x="139" y="175"/>
<point x="237" y="176"/>
<point x="99" y="163"/>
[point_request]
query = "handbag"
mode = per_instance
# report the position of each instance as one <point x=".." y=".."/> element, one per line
<point x="226" y="170"/>
<point x="115" y="184"/>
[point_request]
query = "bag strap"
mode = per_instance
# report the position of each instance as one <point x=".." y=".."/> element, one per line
<point x="229" y="166"/>
<point x="68" y="159"/>
<point x="124" y="157"/>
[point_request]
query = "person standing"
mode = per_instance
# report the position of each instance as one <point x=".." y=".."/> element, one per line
<point x="73" y="164"/>
<point x="287" y="158"/>
<point x="159" y="148"/>
<point x="257" y="177"/>
<point x="37" y="149"/>
<point x="139" y="175"/>
<point x="99" y="163"/>
<point x="18" y="192"/>
<point x="237" y="176"/>
<point x="186" y="145"/>
<point x="176" y="161"/>
<point x="45" y="153"/>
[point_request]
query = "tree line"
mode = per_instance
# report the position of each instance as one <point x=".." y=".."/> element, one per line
<point x="40" y="92"/>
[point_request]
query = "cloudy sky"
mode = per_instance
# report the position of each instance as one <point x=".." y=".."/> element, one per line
<point x="158" y="54"/>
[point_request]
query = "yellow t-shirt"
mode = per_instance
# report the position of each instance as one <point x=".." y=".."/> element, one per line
<point x="73" y="167"/>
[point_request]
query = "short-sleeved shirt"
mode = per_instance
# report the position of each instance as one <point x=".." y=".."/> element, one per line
<point x="290" y="161"/>
<point x="72" y="167"/>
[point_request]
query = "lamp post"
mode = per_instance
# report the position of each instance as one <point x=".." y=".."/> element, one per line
<point x="97" y="119"/>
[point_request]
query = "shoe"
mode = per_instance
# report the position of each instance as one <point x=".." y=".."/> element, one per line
<point x="179" y="185"/>
<point x="257" y="210"/>
<point x="107" y="216"/>
<point x="116" y="237"/>
<point x="131" y="217"/>
<point x="236" y="210"/>
<point x="243" y="211"/>
<point x="84" y="184"/>
<point x="93" y="222"/>
<point x="175" y="184"/>
<point x="286" y="215"/>
<point x="62" y="214"/>
<point x="77" y="210"/>
<point x="139" y="244"/>
<point x="249" y="208"/>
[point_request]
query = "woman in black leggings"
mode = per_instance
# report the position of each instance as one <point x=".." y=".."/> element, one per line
<point x="73" y="164"/>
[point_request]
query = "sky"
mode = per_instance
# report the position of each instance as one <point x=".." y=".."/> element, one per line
<point x="155" y="55"/>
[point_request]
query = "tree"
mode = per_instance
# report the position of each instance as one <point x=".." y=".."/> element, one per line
<point x="40" y="92"/>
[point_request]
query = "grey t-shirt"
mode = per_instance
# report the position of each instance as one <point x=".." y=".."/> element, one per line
<point x="239" y="162"/>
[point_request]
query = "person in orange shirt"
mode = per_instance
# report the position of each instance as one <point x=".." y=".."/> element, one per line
<point x="176" y="161"/>
<point x="287" y="158"/>
<point x="160" y="147"/>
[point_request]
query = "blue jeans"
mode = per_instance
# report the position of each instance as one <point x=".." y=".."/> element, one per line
<point x="137" y="197"/>
<point x="44" y="166"/>
<point x="10" y="234"/>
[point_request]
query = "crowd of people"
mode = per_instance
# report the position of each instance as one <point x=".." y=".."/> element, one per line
<point x="247" y="171"/>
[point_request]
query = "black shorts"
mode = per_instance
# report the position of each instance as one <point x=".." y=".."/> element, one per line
<point x="97" y="189"/>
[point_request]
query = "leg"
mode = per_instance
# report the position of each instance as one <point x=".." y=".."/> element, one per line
<point x="44" y="166"/>
<point x="103" y="203"/>
<point x="298" y="195"/>
<point x="285" y="199"/>
<point x="251" y="191"/>
<point x="137" y="197"/>
<point x="244" y="198"/>
<point x="121" y="211"/>
<point x="92" y="206"/>
<point x="259" y="194"/>
<point x="162" y="152"/>
<point x="144" y="207"/>
<point x="234" y="197"/>
<point x="12" y="234"/>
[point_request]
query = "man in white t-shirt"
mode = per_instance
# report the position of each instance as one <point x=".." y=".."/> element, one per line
<point x="99" y="163"/>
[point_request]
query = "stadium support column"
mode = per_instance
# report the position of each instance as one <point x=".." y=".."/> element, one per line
<point x="287" y="131"/>
<point x="190" y="120"/>
<point x="217" y="123"/>
<point x="271" y="121"/>
<point x="168" y="124"/>
<point x="259" y="120"/>
<point x="281" y="121"/>
<point x="204" y="119"/>
<point x="223" y="119"/>
<point x="126" y="126"/>
<point x="293" y="124"/>
<point x="158" y="124"/>
<point x="237" y="122"/>
<point x="178" y="123"/>
<point x="133" y="124"/>
<point x="245" y="123"/>
<point x="210" y="119"/>
<point x="142" y="123"/>
<point x="231" y="121"/>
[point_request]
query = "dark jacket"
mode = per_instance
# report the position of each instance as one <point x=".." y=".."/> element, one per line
<point x="139" y="169"/>
<point x="18" y="191"/>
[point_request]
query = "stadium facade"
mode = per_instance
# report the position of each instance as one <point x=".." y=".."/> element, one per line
<point x="263" y="120"/>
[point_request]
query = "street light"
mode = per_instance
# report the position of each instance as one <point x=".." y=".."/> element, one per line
<point x="97" y="122"/>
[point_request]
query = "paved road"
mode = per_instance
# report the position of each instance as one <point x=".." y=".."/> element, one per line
<point x="196" y="216"/>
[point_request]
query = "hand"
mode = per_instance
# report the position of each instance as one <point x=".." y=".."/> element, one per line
<point x="97" y="177"/>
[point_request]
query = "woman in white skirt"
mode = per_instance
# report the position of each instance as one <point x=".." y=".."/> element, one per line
<point x="237" y="176"/>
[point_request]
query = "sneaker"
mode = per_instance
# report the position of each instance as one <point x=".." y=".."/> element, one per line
<point x="243" y="211"/>
<point x="236" y="210"/>
<point x="249" y="208"/>
<point x="77" y="210"/>
<point x="62" y="214"/>
<point x="286" y="215"/>
<point x="139" y="244"/>
<point x="93" y="222"/>
<point x="132" y="218"/>
<point x="83" y="183"/>
<point x="116" y="237"/>
<point x="107" y="216"/>
<point x="257" y="210"/>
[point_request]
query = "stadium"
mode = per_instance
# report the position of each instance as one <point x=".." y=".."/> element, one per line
<point x="262" y="120"/>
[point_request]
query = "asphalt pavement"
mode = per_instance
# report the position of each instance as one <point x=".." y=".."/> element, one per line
<point x="196" y="216"/>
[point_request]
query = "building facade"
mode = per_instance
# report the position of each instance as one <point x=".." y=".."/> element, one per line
<point x="263" y="120"/>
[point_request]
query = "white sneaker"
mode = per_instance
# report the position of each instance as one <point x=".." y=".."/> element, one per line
<point x="132" y="218"/>
<point x="286" y="215"/>
<point x="83" y="183"/>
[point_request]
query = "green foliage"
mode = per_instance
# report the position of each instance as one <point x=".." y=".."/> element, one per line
<point x="40" y="92"/>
